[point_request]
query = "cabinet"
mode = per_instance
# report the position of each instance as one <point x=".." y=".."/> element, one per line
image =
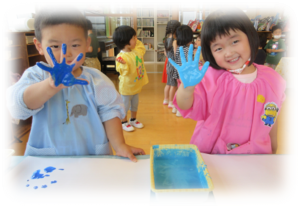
<point x="151" y="29"/>
<point x="20" y="53"/>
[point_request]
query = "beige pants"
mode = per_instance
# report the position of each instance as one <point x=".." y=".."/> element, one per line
<point x="92" y="62"/>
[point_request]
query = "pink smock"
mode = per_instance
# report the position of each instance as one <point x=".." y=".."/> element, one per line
<point x="231" y="112"/>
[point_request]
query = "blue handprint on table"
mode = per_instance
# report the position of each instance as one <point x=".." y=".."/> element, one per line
<point x="61" y="73"/>
<point x="189" y="72"/>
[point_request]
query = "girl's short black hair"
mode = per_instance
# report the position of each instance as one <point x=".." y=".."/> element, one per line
<point x="184" y="35"/>
<point x="54" y="16"/>
<point x="123" y="35"/>
<point x="219" y="23"/>
<point x="89" y="24"/>
<point x="276" y="27"/>
<point x="171" y="29"/>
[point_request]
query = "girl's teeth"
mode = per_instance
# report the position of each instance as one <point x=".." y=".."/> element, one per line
<point x="234" y="59"/>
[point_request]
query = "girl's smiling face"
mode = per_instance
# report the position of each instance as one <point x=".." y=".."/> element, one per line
<point x="231" y="51"/>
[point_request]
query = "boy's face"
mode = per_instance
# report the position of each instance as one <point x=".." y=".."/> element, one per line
<point x="54" y="36"/>
<point x="277" y="32"/>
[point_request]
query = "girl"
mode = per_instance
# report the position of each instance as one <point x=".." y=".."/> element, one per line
<point x="184" y="36"/>
<point x="170" y="49"/>
<point x="237" y="102"/>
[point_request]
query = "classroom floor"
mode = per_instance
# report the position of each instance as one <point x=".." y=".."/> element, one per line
<point x="161" y="125"/>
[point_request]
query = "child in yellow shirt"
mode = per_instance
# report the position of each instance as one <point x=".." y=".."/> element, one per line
<point x="133" y="76"/>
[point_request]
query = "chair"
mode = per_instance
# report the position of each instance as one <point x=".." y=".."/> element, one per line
<point x="108" y="61"/>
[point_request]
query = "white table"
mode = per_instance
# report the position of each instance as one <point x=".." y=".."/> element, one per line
<point x="238" y="180"/>
<point x="252" y="179"/>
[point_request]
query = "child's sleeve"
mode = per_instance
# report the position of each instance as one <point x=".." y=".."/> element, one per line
<point x="14" y="94"/>
<point x="267" y="45"/>
<point x="140" y="48"/>
<point x="109" y="101"/>
<point x="282" y="45"/>
<point x="123" y="69"/>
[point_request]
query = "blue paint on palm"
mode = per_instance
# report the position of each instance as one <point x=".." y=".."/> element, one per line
<point x="189" y="72"/>
<point x="61" y="73"/>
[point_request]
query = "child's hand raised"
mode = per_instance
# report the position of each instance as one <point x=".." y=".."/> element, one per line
<point x="129" y="151"/>
<point x="61" y="73"/>
<point x="189" y="72"/>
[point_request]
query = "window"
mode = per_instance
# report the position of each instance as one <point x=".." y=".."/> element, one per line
<point x="18" y="8"/>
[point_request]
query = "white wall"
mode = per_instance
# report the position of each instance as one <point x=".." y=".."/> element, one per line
<point x="18" y="8"/>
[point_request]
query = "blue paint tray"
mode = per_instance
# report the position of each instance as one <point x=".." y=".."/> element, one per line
<point x="178" y="168"/>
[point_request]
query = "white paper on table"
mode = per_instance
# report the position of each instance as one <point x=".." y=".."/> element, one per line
<point x="83" y="179"/>
<point x="252" y="179"/>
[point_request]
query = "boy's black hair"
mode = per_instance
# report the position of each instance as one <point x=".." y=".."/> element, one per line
<point x="55" y="16"/>
<point x="262" y="41"/>
<point x="171" y="29"/>
<point x="89" y="24"/>
<point x="219" y="23"/>
<point x="184" y="35"/>
<point x="123" y="35"/>
<point x="276" y="27"/>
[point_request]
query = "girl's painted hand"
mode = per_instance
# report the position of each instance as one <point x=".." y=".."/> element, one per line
<point x="189" y="72"/>
<point x="61" y="73"/>
<point x="129" y="151"/>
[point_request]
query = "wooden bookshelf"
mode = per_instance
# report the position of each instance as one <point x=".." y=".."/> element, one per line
<point x="20" y="55"/>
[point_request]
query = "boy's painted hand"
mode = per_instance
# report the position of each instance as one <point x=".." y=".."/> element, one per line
<point x="189" y="72"/>
<point x="129" y="151"/>
<point x="61" y="73"/>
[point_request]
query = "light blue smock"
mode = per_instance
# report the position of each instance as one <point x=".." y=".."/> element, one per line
<point x="71" y="122"/>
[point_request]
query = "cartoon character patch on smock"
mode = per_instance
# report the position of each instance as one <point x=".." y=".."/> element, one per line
<point x="139" y="68"/>
<point x="270" y="115"/>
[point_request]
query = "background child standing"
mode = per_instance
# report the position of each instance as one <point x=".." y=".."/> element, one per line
<point x="170" y="49"/>
<point x="133" y="75"/>
<point x="196" y="45"/>
<point x="91" y="58"/>
<point x="235" y="101"/>
<point x="275" y="48"/>
<point x="184" y="36"/>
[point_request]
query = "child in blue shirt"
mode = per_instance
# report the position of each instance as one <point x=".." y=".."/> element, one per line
<point x="75" y="112"/>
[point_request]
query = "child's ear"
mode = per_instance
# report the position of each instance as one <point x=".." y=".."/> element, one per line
<point x="88" y="43"/>
<point x="38" y="46"/>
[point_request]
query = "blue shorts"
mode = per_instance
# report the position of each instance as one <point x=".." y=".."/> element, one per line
<point x="131" y="101"/>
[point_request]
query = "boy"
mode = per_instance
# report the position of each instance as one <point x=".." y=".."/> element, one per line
<point x="196" y="45"/>
<point x="275" y="48"/>
<point x="133" y="76"/>
<point x="79" y="117"/>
